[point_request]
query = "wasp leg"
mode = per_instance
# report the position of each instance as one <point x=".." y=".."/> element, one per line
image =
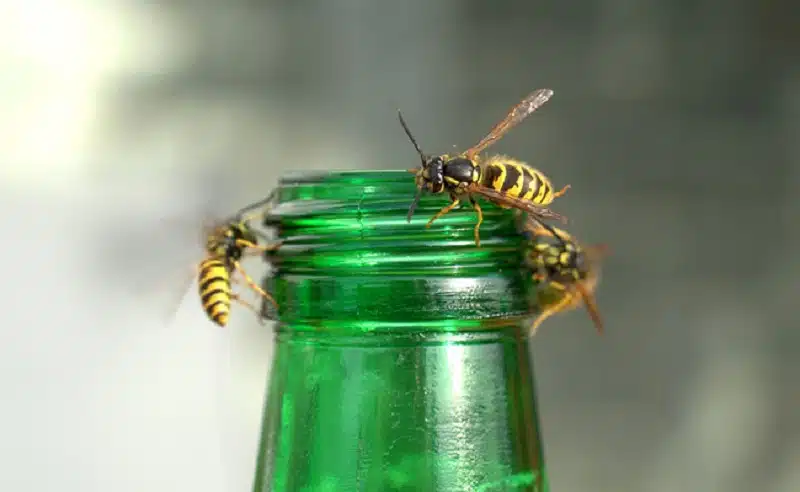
<point x="445" y="210"/>
<point x="253" y="285"/>
<point x="561" y="191"/>
<point x="549" y="311"/>
<point x="540" y="275"/>
<point x="478" y="211"/>
<point x="259" y="247"/>
<point x="251" y="253"/>
<point x="235" y="297"/>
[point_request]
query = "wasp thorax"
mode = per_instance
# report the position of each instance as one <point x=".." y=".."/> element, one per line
<point x="460" y="169"/>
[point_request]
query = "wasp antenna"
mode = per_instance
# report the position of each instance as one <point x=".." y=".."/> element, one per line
<point x="242" y="214"/>
<point x="410" y="136"/>
<point x="414" y="204"/>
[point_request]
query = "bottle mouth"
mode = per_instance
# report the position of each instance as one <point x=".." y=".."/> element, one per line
<point x="378" y="193"/>
<point x="350" y="228"/>
<point x="362" y="215"/>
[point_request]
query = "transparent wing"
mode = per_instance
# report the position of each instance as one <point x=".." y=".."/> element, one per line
<point x="595" y="253"/>
<point x="515" y="116"/>
<point x="150" y="263"/>
<point x="168" y="297"/>
<point x="589" y="302"/>
<point x="150" y="239"/>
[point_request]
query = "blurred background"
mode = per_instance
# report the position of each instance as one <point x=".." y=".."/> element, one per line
<point x="675" y="122"/>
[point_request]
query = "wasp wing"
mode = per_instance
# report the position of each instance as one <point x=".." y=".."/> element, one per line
<point x="587" y="296"/>
<point x="156" y="268"/>
<point x="536" y="212"/>
<point x="515" y="116"/>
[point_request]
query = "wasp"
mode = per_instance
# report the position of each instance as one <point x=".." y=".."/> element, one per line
<point x="226" y="243"/>
<point x="507" y="182"/>
<point x="567" y="272"/>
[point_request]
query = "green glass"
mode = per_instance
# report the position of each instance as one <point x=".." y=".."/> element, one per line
<point x="400" y="359"/>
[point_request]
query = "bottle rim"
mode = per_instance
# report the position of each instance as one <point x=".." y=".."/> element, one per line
<point x="350" y="227"/>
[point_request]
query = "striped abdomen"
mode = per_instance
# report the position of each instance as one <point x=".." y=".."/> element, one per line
<point x="517" y="179"/>
<point x="214" y="284"/>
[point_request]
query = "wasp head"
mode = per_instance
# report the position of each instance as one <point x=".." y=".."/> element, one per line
<point x="236" y="237"/>
<point x="429" y="176"/>
<point x="245" y="233"/>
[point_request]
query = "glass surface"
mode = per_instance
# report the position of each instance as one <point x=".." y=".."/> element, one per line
<point x="399" y="363"/>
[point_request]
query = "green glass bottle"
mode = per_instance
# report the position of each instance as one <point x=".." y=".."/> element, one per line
<point x="400" y="359"/>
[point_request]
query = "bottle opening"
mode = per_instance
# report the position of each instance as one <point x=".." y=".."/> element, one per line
<point x="350" y="256"/>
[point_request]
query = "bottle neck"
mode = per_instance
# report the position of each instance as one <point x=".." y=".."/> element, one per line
<point x="398" y="362"/>
<point x="350" y="262"/>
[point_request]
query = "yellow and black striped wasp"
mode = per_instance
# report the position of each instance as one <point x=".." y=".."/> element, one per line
<point x="226" y="243"/>
<point x="507" y="182"/>
<point x="156" y="265"/>
<point x="567" y="272"/>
